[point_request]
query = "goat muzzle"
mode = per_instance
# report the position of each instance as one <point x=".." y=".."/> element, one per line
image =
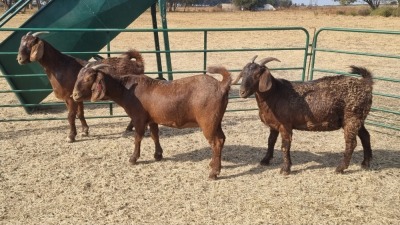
<point x="243" y="93"/>
<point x="76" y="96"/>
<point x="22" y="61"/>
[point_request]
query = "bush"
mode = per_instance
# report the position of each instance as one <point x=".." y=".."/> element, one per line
<point x="383" y="11"/>
<point x="364" y="12"/>
<point x="396" y="12"/>
<point x="340" y="12"/>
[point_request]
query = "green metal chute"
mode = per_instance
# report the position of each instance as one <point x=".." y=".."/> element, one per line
<point x="67" y="14"/>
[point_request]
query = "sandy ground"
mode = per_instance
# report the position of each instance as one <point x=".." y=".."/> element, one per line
<point x="45" y="180"/>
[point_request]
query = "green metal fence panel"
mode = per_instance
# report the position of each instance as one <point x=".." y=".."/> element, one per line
<point x="206" y="51"/>
<point x="385" y="110"/>
<point x="67" y="14"/>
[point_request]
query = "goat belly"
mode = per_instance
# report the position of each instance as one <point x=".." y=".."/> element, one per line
<point x="179" y="125"/>
<point x="318" y="126"/>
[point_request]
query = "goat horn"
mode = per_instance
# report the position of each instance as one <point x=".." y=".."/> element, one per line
<point x="36" y="34"/>
<point x="100" y="66"/>
<point x="237" y="78"/>
<point x="29" y="33"/>
<point x="269" y="59"/>
<point x="254" y="58"/>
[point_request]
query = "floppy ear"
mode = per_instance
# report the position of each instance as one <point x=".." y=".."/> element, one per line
<point x="265" y="81"/>
<point x="98" y="88"/>
<point x="129" y="81"/>
<point x="37" y="51"/>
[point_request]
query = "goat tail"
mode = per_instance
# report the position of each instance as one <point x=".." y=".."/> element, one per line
<point x="134" y="54"/>
<point x="226" y="80"/>
<point x="365" y="73"/>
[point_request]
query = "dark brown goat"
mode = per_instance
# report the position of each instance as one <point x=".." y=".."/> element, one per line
<point x="196" y="101"/>
<point x="325" y="104"/>
<point x="62" y="70"/>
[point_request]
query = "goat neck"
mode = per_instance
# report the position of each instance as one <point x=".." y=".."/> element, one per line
<point x="116" y="91"/>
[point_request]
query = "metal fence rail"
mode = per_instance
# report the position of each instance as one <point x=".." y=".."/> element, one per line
<point x="203" y="35"/>
<point x="382" y="114"/>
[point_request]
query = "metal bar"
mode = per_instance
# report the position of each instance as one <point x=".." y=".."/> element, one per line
<point x="205" y="52"/>
<point x="156" y="40"/>
<point x="11" y="12"/>
<point x="163" y="12"/>
<point x="356" y="75"/>
<point x="358" y="53"/>
<point x="157" y="30"/>
<point x="385" y="110"/>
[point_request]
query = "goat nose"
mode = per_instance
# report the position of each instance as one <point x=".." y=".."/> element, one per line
<point x="75" y="95"/>
<point x="242" y="93"/>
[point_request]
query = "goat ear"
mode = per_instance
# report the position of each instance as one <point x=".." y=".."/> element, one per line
<point x="130" y="81"/>
<point x="37" y="51"/>
<point x="265" y="81"/>
<point x="98" y="88"/>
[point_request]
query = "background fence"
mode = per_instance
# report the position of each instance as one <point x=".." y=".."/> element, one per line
<point x="299" y="62"/>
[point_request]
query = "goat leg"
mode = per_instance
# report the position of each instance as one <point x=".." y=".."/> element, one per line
<point x="286" y="142"/>
<point x="273" y="135"/>
<point x="351" y="143"/>
<point x="139" y="134"/>
<point x="158" y="154"/>
<point x="287" y="162"/>
<point x="217" y="143"/>
<point x="363" y="134"/>
<point x="81" y="117"/>
<point x="129" y="128"/>
<point x="72" y="109"/>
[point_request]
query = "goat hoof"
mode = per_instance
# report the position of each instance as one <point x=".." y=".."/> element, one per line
<point x="365" y="164"/>
<point x="339" y="170"/>
<point x="284" y="172"/>
<point x="212" y="177"/>
<point x="71" y="139"/>
<point x="133" y="160"/>
<point x="264" y="162"/>
<point x="158" y="157"/>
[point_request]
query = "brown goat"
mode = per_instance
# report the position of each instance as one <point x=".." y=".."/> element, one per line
<point x="325" y="104"/>
<point x="196" y="101"/>
<point x="62" y="70"/>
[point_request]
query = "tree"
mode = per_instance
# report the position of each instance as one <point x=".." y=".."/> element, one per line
<point x="374" y="4"/>
<point x="249" y="4"/>
<point x="345" y="2"/>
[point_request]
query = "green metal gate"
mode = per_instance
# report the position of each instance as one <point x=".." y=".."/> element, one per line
<point x="204" y="53"/>
<point x="384" y="65"/>
<point x="322" y="59"/>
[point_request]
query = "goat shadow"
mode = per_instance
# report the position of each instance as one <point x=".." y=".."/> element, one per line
<point x="245" y="155"/>
<point x="94" y="132"/>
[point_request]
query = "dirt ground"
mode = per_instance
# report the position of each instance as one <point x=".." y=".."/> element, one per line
<point x="45" y="180"/>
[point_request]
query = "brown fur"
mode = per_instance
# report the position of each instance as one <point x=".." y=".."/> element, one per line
<point x="325" y="104"/>
<point x="197" y="101"/>
<point x="62" y="71"/>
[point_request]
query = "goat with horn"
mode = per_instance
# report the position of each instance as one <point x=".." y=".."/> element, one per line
<point x="62" y="71"/>
<point x="325" y="104"/>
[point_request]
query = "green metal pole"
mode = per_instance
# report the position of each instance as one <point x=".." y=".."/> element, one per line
<point x="156" y="40"/>
<point x="205" y="52"/>
<point x="163" y="11"/>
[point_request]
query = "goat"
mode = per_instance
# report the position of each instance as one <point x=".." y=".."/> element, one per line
<point x="196" y="101"/>
<point x="324" y="104"/>
<point x="62" y="70"/>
